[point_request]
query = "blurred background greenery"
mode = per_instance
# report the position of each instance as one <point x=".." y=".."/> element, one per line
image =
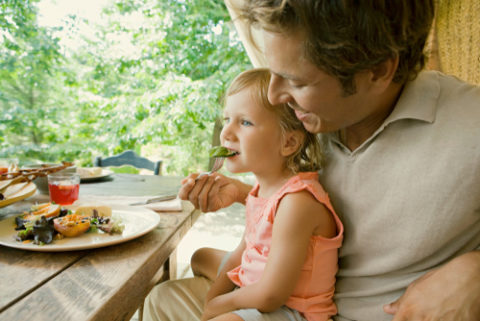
<point x="149" y="76"/>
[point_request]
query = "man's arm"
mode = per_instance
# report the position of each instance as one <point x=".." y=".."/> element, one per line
<point x="212" y="192"/>
<point x="451" y="292"/>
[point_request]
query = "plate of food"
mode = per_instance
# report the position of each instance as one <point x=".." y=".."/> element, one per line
<point x="50" y="227"/>
<point x="92" y="174"/>
<point x="15" y="192"/>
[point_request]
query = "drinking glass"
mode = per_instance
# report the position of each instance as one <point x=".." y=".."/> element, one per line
<point x="63" y="187"/>
<point x="8" y="165"/>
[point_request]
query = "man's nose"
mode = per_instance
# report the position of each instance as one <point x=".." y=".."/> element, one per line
<point x="276" y="91"/>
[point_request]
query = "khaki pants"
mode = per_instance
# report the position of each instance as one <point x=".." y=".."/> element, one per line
<point x="177" y="300"/>
<point x="183" y="300"/>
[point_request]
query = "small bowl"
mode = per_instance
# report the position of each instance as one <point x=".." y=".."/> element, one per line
<point x="42" y="182"/>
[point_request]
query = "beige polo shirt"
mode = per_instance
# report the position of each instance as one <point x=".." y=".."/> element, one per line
<point x="409" y="197"/>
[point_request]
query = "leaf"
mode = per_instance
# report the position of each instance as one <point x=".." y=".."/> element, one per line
<point x="220" y="151"/>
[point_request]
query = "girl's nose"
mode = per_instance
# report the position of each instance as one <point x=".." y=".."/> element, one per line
<point x="276" y="91"/>
<point x="226" y="134"/>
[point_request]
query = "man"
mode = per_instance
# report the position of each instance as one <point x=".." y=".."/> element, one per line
<point x="404" y="154"/>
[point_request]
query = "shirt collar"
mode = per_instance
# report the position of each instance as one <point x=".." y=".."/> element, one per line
<point x="418" y="101"/>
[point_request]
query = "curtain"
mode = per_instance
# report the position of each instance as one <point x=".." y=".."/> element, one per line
<point x="457" y="33"/>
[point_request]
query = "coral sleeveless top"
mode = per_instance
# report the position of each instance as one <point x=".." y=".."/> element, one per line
<point x="313" y="295"/>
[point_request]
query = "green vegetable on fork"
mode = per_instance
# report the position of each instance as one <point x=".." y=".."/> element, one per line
<point x="220" y="151"/>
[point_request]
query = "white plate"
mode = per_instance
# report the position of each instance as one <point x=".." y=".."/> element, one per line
<point x="105" y="173"/>
<point x="17" y="192"/>
<point x="138" y="221"/>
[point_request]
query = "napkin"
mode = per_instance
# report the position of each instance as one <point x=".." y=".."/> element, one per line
<point x="89" y="171"/>
<point x="174" y="205"/>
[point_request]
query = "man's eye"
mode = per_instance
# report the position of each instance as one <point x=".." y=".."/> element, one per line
<point x="296" y="84"/>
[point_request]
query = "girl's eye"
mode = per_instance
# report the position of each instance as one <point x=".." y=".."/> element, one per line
<point x="226" y="120"/>
<point x="246" y="122"/>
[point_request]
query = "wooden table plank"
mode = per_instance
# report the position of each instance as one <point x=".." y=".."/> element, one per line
<point x="103" y="284"/>
<point x="108" y="275"/>
<point x="133" y="185"/>
<point x="32" y="269"/>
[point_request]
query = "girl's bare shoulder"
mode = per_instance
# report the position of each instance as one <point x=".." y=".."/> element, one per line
<point x="305" y="209"/>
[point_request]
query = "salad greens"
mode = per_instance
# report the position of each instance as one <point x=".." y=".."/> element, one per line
<point x="40" y="228"/>
<point x="220" y="151"/>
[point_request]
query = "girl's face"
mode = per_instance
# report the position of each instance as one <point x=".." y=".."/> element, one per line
<point x="254" y="132"/>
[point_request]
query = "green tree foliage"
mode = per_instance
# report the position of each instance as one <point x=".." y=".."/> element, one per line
<point x="29" y="61"/>
<point x="151" y="80"/>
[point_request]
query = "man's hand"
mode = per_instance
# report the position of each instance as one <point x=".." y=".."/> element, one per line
<point x="449" y="293"/>
<point x="212" y="192"/>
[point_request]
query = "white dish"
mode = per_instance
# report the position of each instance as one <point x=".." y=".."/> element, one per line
<point x="17" y="192"/>
<point x="138" y="221"/>
<point x="105" y="173"/>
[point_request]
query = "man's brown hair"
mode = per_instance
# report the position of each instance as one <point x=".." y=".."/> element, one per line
<point x="344" y="37"/>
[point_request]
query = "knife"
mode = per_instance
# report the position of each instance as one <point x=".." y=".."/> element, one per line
<point x="156" y="199"/>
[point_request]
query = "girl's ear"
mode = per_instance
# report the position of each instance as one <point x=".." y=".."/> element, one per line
<point x="293" y="140"/>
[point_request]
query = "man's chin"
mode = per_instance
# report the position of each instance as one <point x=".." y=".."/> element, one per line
<point x="313" y="127"/>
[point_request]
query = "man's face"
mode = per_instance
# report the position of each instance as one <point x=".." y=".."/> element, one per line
<point x="315" y="96"/>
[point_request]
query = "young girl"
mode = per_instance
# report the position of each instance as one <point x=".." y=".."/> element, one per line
<point x="285" y="265"/>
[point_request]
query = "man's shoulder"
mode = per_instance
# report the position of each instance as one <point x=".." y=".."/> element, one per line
<point x="454" y="92"/>
<point x="452" y="102"/>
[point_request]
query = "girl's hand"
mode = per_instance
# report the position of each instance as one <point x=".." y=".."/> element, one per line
<point x="217" y="306"/>
<point x="212" y="192"/>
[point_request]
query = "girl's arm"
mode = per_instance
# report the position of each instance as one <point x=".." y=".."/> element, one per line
<point x="299" y="216"/>
<point x="222" y="283"/>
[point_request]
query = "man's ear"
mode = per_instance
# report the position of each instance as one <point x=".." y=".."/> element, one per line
<point x="292" y="141"/>
<point x="382" y="74"/>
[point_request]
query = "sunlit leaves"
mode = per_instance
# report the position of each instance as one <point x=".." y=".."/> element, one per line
<point x="152" y="77"/>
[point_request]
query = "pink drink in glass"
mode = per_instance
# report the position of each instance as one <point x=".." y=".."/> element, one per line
<point x="64" y="188"/>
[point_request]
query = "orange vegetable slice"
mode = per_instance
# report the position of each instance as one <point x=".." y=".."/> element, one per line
<point x="71" y="225"/>
<point x="46" y="209"/>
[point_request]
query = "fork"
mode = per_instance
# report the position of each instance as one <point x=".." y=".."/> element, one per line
<point x="216" y="166"/>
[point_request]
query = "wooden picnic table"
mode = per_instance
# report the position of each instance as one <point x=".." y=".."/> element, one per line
<point x="101" y="284"/>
